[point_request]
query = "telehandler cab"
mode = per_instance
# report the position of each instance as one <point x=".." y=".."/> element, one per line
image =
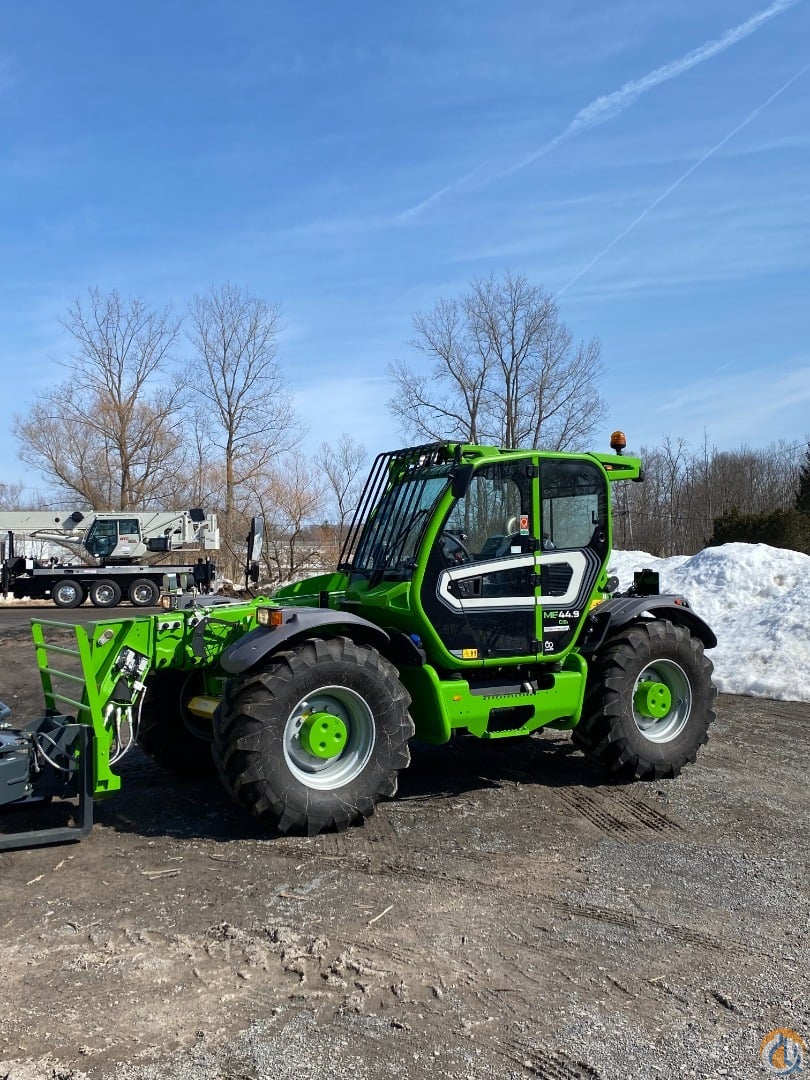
<point x="472" y="595"/>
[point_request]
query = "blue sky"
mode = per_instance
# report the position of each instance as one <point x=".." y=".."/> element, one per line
<point x="646" y="162"/>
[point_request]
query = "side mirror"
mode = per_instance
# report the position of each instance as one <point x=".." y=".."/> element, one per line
<point x="255" y="542"/>
<point x="461" y="480"/>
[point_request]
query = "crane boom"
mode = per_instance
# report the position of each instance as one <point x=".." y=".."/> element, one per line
<point x="107" y="548"/>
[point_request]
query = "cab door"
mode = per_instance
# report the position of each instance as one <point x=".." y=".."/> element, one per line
<point x="574" y="546"/>
<point x="479" y="589"/>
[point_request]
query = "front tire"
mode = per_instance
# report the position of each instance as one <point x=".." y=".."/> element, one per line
<point x="316" y="738"/>
<point x="648" y="703"/>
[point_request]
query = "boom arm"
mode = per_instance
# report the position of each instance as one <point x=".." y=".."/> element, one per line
<point x="118" y="535"/>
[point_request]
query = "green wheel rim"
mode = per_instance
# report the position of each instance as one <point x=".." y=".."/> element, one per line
<point x="662" y="701"/>
<point x="329" y="737"/>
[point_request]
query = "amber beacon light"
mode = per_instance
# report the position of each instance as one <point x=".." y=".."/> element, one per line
<point x="618" y="441"/>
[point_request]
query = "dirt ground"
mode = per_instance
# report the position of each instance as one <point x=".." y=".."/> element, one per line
<point x="507" y="915"/>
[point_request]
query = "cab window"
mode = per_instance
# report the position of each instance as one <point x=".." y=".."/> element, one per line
<point x="487" y="520"/>
<point x="574" y="504"/>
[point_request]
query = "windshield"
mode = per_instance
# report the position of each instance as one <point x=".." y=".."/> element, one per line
<point x="394" y="531"/>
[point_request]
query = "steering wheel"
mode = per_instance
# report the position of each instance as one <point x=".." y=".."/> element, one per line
<point x="453" y="548"/>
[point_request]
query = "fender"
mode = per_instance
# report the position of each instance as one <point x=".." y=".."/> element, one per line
<point x="299" y="622"/>
<point x="614" y="614"/>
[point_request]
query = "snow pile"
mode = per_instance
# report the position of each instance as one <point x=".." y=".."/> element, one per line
<point x="756" y="598"/>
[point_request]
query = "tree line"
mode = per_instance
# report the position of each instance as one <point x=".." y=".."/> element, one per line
<point x="156" y="410"/>
<point x="695" y="497"/>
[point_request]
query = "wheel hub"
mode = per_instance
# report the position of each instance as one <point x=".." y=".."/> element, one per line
<point x="653" y="699"/>
<point x="323" y="735"/>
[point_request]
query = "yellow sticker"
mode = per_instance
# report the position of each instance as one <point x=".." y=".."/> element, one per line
<point x="469" y="654"/>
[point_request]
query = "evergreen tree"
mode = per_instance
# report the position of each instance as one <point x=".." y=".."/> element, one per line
<point x="803" y="490"/>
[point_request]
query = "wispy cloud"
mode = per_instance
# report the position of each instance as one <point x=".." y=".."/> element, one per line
<point x="683" y="177"/>
<point x="607" y="106"/>
<point x="721" y="405"/>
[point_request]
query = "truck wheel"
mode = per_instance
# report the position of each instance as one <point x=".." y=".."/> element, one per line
<point x="105" y="593"/>
<point x="67" y="593"/>
<point x="168" y="733"/>
<point x="143" y="593"/>
<point x="648" y="703"/>
<point x="316" y="738"/>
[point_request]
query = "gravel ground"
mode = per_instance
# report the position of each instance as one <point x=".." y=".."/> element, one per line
<point x="507" y="915"/>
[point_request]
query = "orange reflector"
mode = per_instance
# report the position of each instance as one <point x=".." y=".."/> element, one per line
<point x="276" y="617"/>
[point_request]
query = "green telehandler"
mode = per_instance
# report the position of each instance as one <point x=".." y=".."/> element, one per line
<point x="472" y="596"/>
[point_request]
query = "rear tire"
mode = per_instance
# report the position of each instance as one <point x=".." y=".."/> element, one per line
<point x="648" y="702"/>
<point x="143" y="593"/>
<point x="275" y="727"/>
<point x="105" y="593"/>
<point x="67" y="593"/>
<point x="171" y="736"/>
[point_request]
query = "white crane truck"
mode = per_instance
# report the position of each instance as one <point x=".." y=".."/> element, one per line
<point x="104" y="552"/>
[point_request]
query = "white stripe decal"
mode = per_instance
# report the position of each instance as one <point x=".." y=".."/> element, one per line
<point x="459" y="604"/>
<point x="578" y="563"/>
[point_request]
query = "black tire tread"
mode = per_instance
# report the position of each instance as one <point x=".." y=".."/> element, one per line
<point x="143" y="581"/>
<point x="239" y="738"/>
<point x="605" y="732"/>
<point x="116" y="590"/>
<point x="81" y="594"/>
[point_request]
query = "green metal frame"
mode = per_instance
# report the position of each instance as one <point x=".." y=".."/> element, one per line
<point x="81" y="679"/>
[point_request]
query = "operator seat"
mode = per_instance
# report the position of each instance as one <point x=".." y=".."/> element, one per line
<point x="510" y="531"/>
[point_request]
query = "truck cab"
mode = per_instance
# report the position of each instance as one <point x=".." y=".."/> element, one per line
<point x="111" y="539"/>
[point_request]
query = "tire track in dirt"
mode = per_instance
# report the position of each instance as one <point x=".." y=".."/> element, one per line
<point x="656" y="927"/>
<point x="465" y="871"/>
<point x="616" y="812"/>
<point x="541" y="1061"/>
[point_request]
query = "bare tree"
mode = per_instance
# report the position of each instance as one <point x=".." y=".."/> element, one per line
<point x="343" y="469"/>
<point x="802" y="500"/>
<point x="109" y="433"/>
<point x="11" y="497"/>
<point x="290" y="499"/>
<point x="674" y="511"/>
<point x="236" y="379"/>
<point x="503" y="369"/>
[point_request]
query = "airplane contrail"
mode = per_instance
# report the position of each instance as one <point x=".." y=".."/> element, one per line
<point x="607" y="106"/>
<point x="684" y="176"/>
<point x="414" y="211"/>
